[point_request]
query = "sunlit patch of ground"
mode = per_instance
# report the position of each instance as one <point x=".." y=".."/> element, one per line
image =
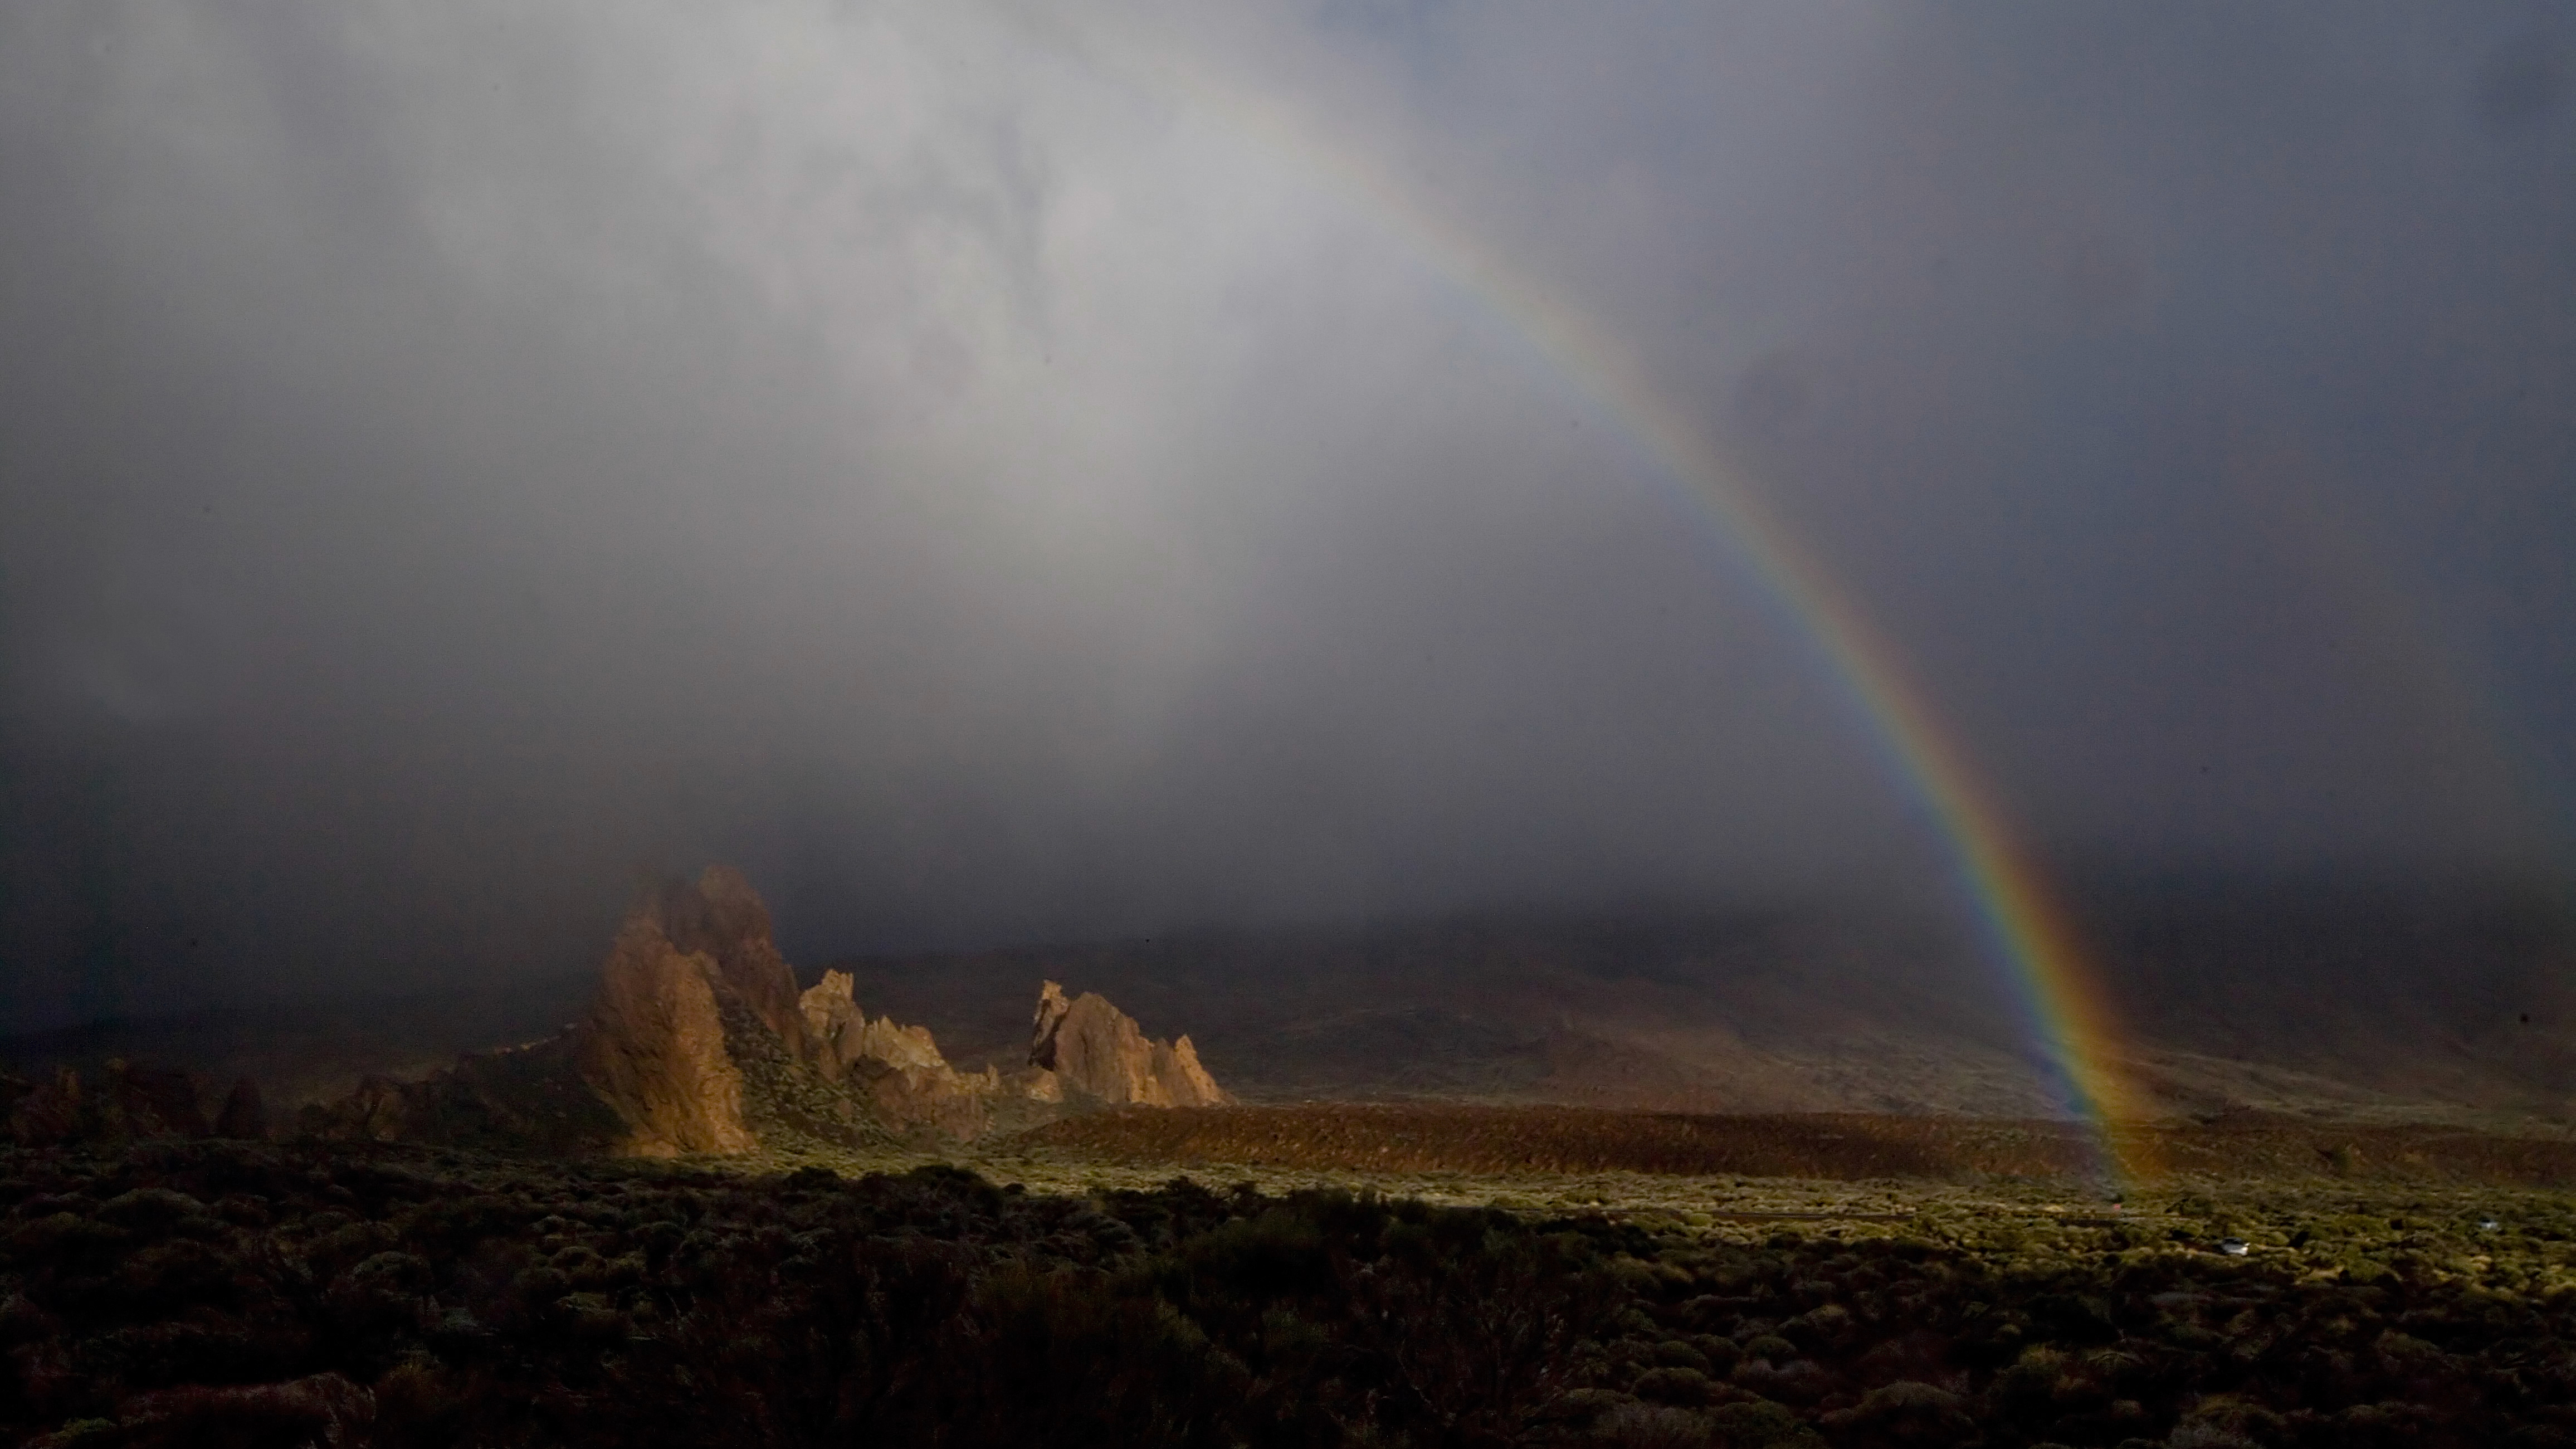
<point x="2339" y="1201"/>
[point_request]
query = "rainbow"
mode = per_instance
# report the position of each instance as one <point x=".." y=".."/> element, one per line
<point x="2059" y="989"/>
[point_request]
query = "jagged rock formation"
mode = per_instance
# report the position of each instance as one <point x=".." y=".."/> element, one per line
<point x="654" y="1048"/>
<point x="722" y="918"/>
<point x="845" y="1037"/>
<point x="1090" y="1049"/>
<point x="833" y="1021"/>
<point x="698" y="1042"/>
<point x="127" y="1103"/>
<point x="900" y="1067"/>
<point x="697" y="1039"/>
<point x="526" y="1098"/>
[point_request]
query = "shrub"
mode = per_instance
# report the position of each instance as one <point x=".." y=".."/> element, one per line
<point x="1651" y="1426"/>
<point x="1682" y="1387"/>
<point x="681" y="1306"/>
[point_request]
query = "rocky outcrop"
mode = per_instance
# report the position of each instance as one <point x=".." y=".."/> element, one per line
<point x="126" y="1102"/>
<point x="912" y="1085"/>
<point x="654" y="1048"/>
<point x="905" y="1048"/>
<point x="699" y="1043"/>
<point x="694" y="1044"/>
<point x="845" y="1038"/>
<point x="526" y="1098"/>
<point x="722" y="918"/>
<point x="833" y="1022"/>
<point x="1094" y="1051"/>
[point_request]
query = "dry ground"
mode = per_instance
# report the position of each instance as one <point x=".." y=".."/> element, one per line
<point x="1412" y="1138"/>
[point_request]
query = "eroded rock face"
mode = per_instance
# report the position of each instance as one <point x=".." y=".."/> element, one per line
<point x="654" y="1047"/>
<point x="936" y="1099"/>
<point x="702" y="1044"/>
<point x="694" y="1004"/>
<point x="1185" y="1081"/>
<point x="900" y="1047"/>
<point x="1097" y="1051"/>
<point x="722" y="918"/>
<point x="833" y="1022"/>
<point x="900" y="1067"/>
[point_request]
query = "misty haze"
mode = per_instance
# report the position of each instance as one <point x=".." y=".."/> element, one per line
<point x="1610" y="680"/>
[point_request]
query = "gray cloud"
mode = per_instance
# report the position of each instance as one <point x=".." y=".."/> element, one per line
<point x="999" y="475"/>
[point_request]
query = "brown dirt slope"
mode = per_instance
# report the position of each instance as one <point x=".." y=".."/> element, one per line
<point x="1411" y="1137"/>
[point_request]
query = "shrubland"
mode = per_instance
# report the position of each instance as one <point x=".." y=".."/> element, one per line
<point x="214" y="1293"/>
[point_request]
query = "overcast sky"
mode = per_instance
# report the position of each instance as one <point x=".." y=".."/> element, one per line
<point x="1012" y="472"/>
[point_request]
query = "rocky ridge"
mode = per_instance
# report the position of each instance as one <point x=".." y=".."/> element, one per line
<point x="126" y="1102"/>
<point x="525" y="1098"/>
<point x="899" y="1067"/>
<point x="698" y="1043"/>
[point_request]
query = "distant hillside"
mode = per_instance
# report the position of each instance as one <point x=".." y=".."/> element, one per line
<point x="2388" y="999"/>
<point x="1740" y="1012"/>
<point x="2458" y="991"/>
<point x="312" y="1051"/>
<point x="2378" y="999"/>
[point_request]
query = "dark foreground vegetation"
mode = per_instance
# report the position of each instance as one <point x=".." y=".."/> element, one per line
<point x="220" y="1293"/>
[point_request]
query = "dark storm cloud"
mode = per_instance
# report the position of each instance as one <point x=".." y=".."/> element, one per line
<point x="2204" y="420"/>
<point x="961" y="465"/>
